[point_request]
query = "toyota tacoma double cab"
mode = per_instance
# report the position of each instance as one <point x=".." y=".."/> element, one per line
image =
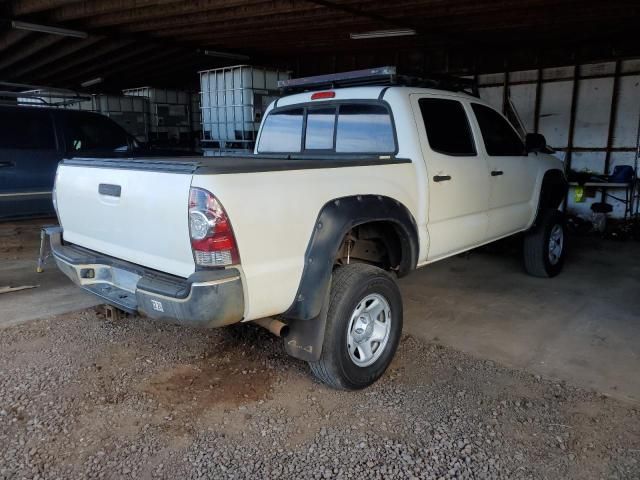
<point x="356" y="180"/>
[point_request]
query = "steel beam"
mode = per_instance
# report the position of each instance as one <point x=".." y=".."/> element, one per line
<point x="572" y="125"/>
<point x="538" y="100"/>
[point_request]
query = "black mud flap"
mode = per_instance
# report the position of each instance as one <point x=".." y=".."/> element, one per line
<point x="305" y="337"/>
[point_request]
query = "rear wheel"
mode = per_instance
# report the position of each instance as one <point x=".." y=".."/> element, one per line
<point x="364" y="324"/>
<point x="545" y="245"/>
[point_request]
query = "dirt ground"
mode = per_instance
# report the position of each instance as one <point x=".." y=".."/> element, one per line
<point x="83" y="397"/>
<point x="20" y="240"/>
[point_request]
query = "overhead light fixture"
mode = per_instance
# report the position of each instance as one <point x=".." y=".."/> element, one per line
<point x="93" y="81"/>
<point x="232" y="56"/>
<point x="34" y="27"/>
<point x="401" y="32"/>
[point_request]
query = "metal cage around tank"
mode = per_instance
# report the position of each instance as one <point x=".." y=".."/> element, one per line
<point x="173" y="114"/>
<point x="233" y="101"/>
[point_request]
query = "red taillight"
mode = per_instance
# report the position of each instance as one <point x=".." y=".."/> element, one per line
<point x="321" y="95"/>
<point x="212" y="239"/>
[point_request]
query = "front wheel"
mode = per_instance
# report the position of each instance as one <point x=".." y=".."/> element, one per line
<point x="364" y="324"/>
<point x="545" y="245"/>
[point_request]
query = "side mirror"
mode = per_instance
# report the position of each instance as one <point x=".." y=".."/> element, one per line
<point x="535" y="142"/>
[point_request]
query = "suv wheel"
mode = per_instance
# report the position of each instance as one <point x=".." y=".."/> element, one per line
<point x="364" y="323"/>
<point x="545" y="244"/>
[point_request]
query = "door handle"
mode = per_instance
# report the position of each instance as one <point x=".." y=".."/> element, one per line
<point x="7" y="164"/>
<point x="442" y="178"/>
<point x="496" y="173"/>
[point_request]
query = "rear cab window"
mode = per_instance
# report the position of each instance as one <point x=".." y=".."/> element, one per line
<point x="282" y="132"/>
<point x="333" y="128"/>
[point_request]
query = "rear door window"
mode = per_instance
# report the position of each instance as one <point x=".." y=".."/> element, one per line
<point x="500" y="139"/>
<point x="364" y="128"/>
<point x="282" y="132"/>
<point x="94" y="133"/>
<point x="447" y="127"/>
<point x="28" y="128"/>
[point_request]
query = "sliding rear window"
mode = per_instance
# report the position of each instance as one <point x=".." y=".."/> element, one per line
<point x="347" y="128"/>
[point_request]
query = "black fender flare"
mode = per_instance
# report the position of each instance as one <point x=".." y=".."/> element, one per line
<point x="307" y="316"/>
<point x="553" y="191"/>
<point x="335" y="219"/>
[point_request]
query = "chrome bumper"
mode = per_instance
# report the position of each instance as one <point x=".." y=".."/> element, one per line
<point x="211" y="298"/>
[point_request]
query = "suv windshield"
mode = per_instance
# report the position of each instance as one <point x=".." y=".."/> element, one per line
<point x="94" y="132"/>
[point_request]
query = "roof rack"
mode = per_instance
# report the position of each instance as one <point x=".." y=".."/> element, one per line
<point x="381" y="76"/>
<point x="34" y="95"/>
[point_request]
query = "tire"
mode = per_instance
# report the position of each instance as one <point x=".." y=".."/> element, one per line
<point x="367" y="288"/>
<point x="540" y="260"/>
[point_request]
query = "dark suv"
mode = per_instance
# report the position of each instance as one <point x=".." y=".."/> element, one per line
<point x="32" y="142"/>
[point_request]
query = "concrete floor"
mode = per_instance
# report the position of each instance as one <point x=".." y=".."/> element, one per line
<point x="582" y="327"/>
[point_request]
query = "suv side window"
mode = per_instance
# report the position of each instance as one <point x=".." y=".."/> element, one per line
<point x="26" y="128"/>
<point x="282" y="132"/>
<point x="447" y="127"/>
<point x="500" y="139"/>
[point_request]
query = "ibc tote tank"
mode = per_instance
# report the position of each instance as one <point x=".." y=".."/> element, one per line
<point x="233" y="100"/>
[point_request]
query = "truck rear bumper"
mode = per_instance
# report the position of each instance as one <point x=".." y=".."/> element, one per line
<point x="211" y="298"/>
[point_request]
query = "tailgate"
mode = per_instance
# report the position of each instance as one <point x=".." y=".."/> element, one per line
<point x="133" y="210"/>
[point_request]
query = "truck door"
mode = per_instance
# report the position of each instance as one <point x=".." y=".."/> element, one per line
<point x="513" y="173"/>
<point x="458" y="176"/>
<point x="28" y="161"/>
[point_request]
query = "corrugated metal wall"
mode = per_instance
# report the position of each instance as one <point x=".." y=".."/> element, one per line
<point x="589" y="113"/>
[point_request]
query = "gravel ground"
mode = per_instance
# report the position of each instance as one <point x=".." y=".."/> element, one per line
<point x="83" y="397"/>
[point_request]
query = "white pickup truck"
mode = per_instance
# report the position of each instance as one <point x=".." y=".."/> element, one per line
<point x="348" y="189"/>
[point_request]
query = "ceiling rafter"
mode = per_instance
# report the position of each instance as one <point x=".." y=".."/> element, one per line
<point x="106" y="48"/>
<point x="54" y="57"/>
<point x="119" y="57"/>
<point x="214" y="16"/>
<point x="117" y="12"/>
<point x="26" y="50"/>
<point x="146" y="39"/>
<point x="79" y="10"/>
<point x="27" y="7"/>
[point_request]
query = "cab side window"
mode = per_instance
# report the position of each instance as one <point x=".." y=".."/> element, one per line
<point x="500" y="139"/>
<point x="447" y="127"/>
